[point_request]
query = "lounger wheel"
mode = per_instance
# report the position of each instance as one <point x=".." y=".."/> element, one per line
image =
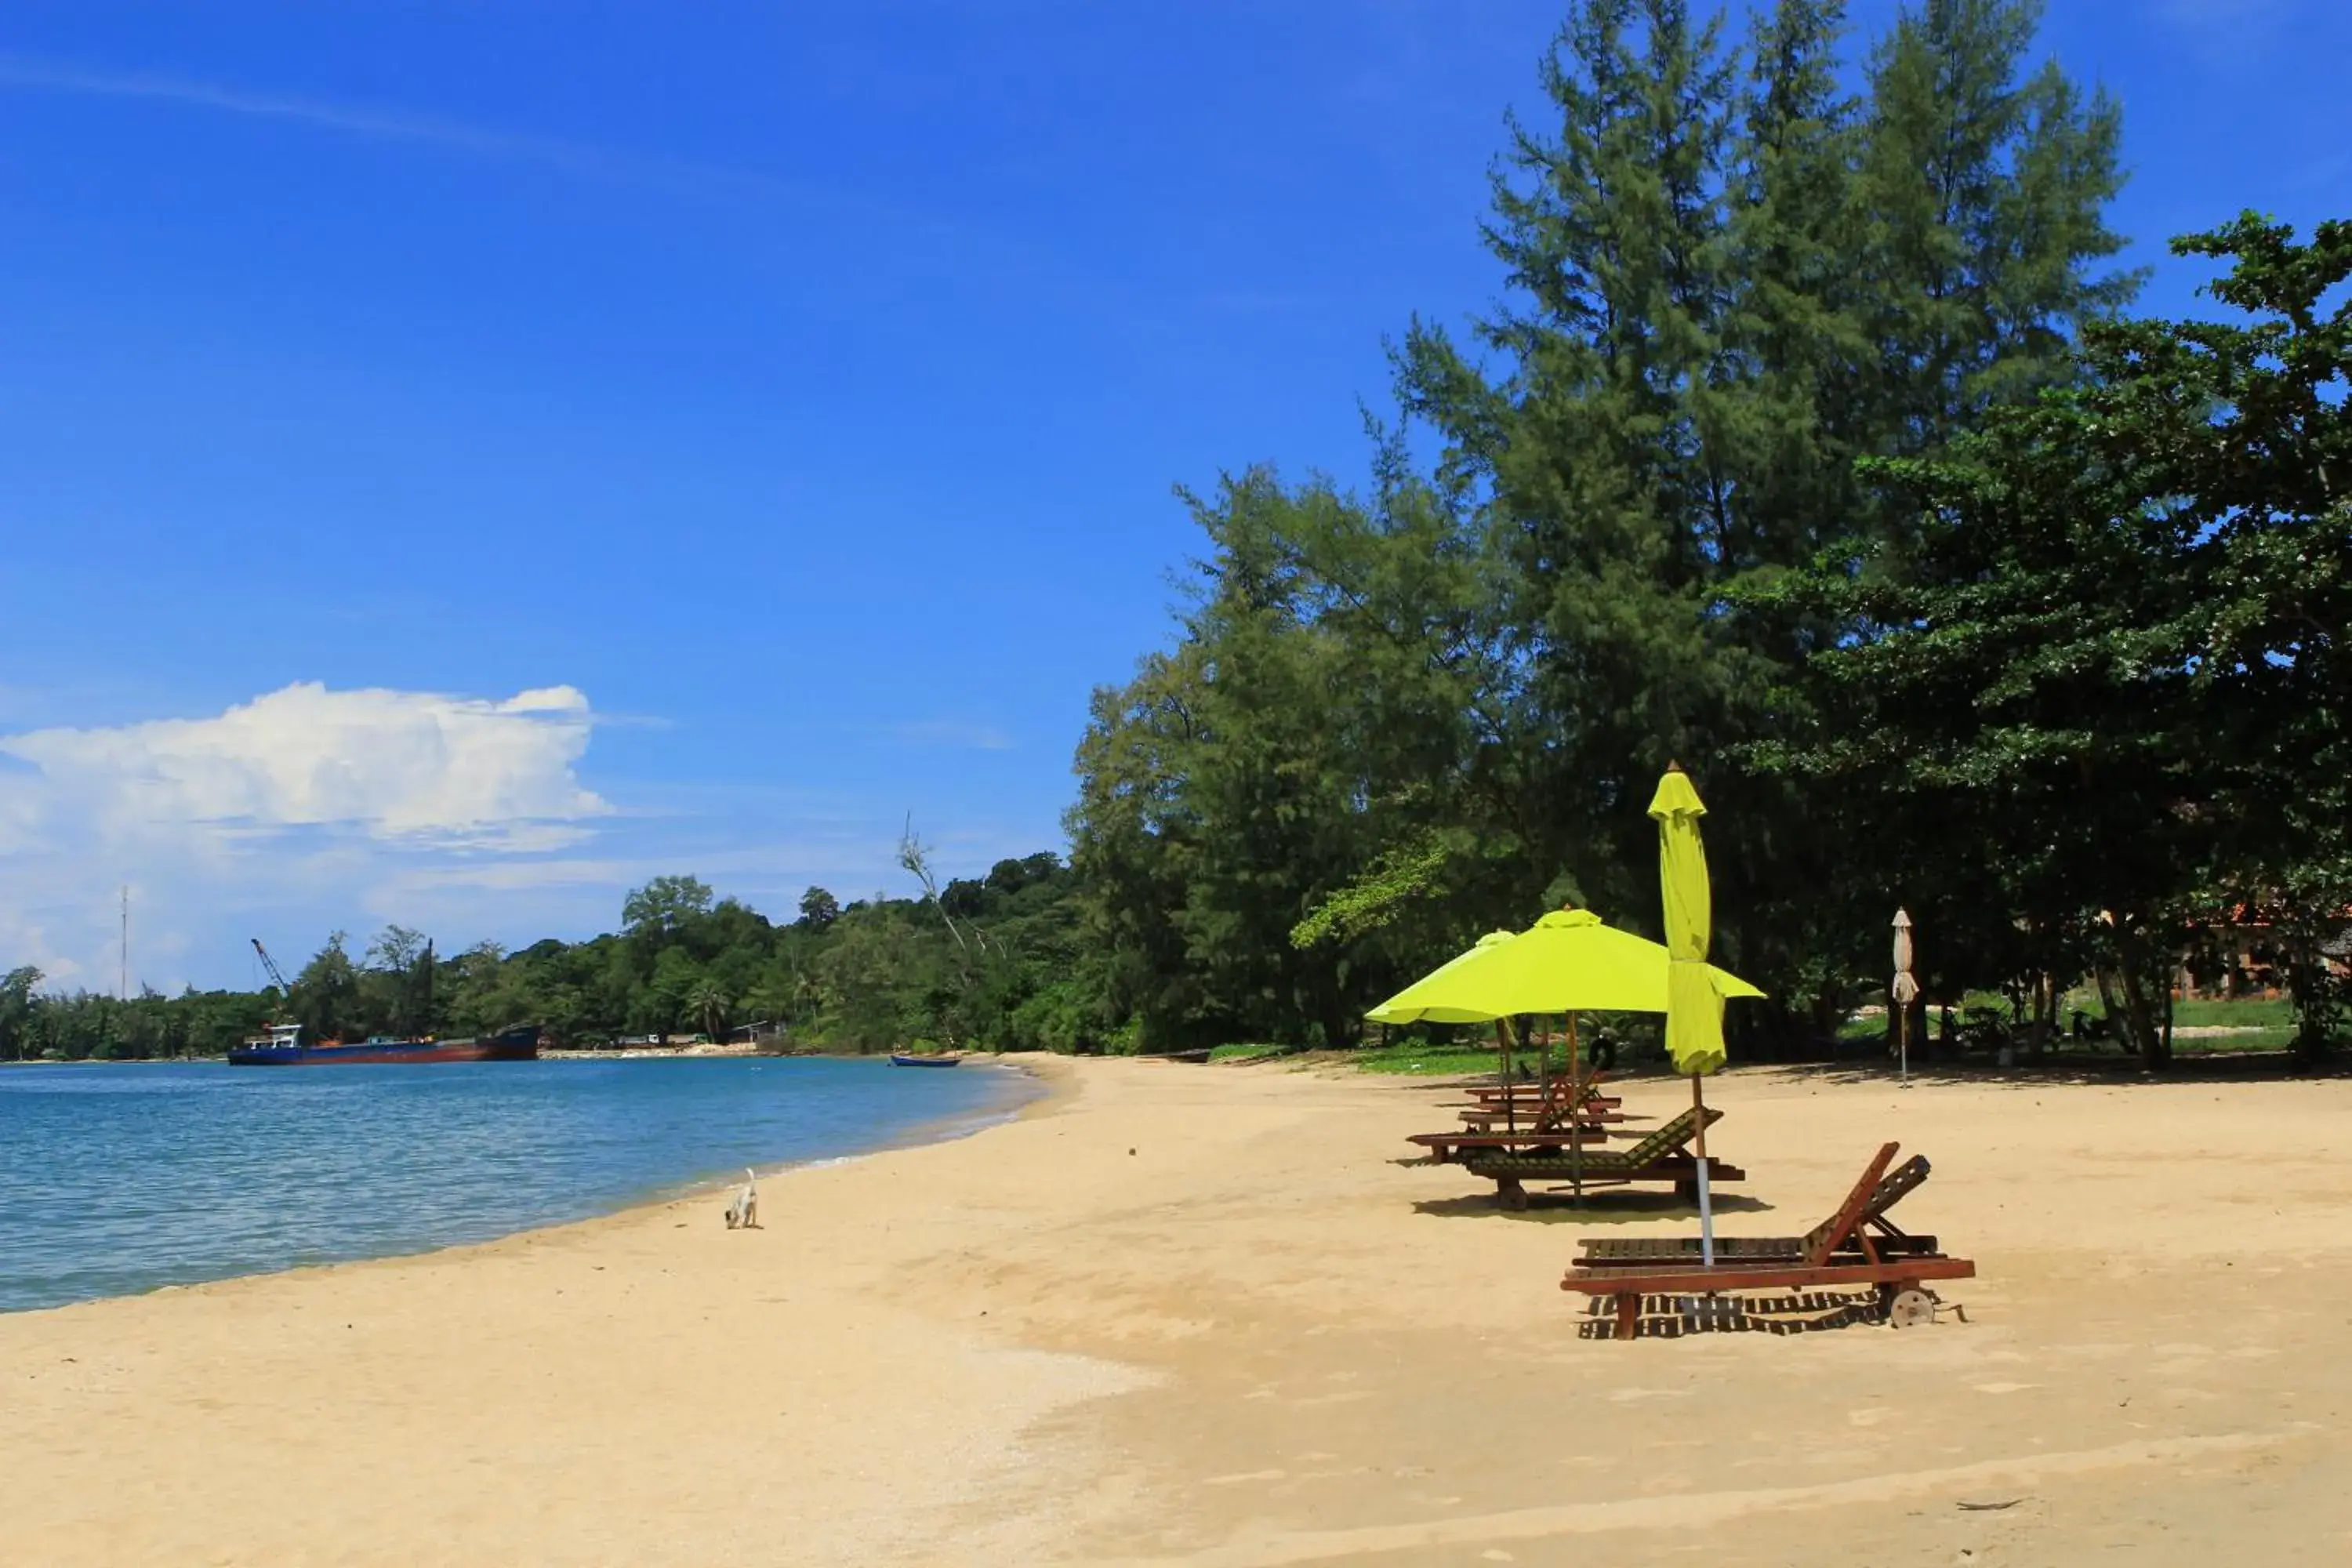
<point x="1510" y="1196"/>
<point x="1911" y="1307"/>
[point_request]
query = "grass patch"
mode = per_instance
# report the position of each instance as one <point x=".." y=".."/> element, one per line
<point x="2273" y="1012"/>
<point x="2267" y="1040"/>
<point x="1426" y="1060"/>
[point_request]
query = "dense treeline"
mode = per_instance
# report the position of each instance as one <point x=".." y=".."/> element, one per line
<point x="1812" y="450"/>
<point x="1812" y="447"/>
<point x="983" y="963"/>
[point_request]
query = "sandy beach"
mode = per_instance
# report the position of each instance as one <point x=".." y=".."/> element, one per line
<point x="1201" y="1316"/>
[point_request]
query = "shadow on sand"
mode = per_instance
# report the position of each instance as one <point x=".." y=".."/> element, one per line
<point x="1607" y="1207"/>
<point x="1795" y="1312"/>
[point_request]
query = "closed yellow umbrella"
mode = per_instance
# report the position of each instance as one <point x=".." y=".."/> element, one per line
<point x="1694" y="1006"/>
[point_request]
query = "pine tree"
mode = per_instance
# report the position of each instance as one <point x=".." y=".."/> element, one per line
<point x="1986" y="196"/>
<point x="1605" y="513"/>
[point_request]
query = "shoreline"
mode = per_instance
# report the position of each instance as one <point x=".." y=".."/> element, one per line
<point x="1021" y="1100"/>
<point x="1027" y="1090"/>
<point x="549" y="1054"/>
<point x="1206" y="1319"/>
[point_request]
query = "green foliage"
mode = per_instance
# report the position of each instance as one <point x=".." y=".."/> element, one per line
<point x="2091" y="708"/>
<point x="664" y="906"/>
<point x="1380" y="895"/>
<point x="870" y="978"/>
<point x="16" y="990"/>
<point x="325" y="999"/>
<point x="1324" y="710"/>
<point x="1393" y="721"/>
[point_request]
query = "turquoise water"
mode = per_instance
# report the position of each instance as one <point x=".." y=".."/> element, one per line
<point x="116" y="1179"/>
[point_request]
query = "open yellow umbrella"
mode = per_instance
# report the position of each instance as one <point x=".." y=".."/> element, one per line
<point x="1568" y="962"/>
<point x="1447" y="1012"/>
<point x="1442" y="1002"/>
<point x="1694" y="1006"/>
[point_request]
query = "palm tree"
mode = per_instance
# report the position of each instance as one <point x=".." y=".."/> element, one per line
<point x="709" y="1006"/>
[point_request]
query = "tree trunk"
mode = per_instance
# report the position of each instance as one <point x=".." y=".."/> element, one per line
<point x="2319" y="996"/>
<point x="1827" y="1014"/>
<point x="2108" y="1006"/>
<point x="2153" y="1041"/>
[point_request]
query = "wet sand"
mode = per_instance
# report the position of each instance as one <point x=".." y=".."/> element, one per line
<point x="1200" y="1316"/>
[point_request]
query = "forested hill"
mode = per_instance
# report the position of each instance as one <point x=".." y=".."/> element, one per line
<point x="988" y="962"/>
<point x="1812" y="444"/>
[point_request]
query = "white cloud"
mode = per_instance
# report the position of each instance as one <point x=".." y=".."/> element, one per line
<point x="292" y="808"/>
<point x="391" y="765"/>
<point x="308" y="809"/>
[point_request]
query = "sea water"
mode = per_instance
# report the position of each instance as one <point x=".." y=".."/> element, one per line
<point x="117" y="1178"/>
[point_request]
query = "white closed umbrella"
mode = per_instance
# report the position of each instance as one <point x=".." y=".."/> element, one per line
<point x="1905" y="991"/>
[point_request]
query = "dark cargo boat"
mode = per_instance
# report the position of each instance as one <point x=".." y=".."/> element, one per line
<point x="284" y="1046"/>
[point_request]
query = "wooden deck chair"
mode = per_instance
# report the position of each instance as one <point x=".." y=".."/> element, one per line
<point x="1859" y="1228"/>
<point x="1662" y="1156"/>
<point x="1858" y="1244"/>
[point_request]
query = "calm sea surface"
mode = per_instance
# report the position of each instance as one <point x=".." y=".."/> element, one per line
<point x="121" y="1178"/>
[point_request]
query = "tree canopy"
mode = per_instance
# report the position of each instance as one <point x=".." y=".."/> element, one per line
<point x="1393" y="720"/>
<point x="872" y="977"/>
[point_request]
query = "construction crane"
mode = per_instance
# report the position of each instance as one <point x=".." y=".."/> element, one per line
<point x="270" y="967"/>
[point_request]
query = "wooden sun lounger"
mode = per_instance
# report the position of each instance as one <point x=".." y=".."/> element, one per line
<point x="1662" y="1155"/>
<point x="1589" y="1082"/>
<point x="1560" y="1102"/>
<point x="1868" y="1233"/>
<point x="1858" y="1244"/>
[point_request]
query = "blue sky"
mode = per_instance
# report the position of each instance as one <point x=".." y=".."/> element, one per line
<point x="458" y="461"/>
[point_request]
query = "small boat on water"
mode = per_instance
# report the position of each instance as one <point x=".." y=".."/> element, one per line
<point x="283" y="1046"/>
<point x="900" y="1059"/>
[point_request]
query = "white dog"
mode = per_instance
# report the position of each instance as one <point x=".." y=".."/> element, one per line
<point x="743" y="1213"/>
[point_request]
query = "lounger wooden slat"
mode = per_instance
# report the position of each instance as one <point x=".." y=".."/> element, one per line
<point x="1483" y="1118"/>
<point x="1763" y="1276"/>
<point x="1678" y="1251"/>
<point x="1526" y="1138"/>
<point x="1523" y="1094"/>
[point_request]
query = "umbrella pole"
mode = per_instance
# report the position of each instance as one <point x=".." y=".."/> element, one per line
<point x="1503" y="1048"/>
<point x="1705" y="1200"/>
<point x="1575" y="1120"/>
